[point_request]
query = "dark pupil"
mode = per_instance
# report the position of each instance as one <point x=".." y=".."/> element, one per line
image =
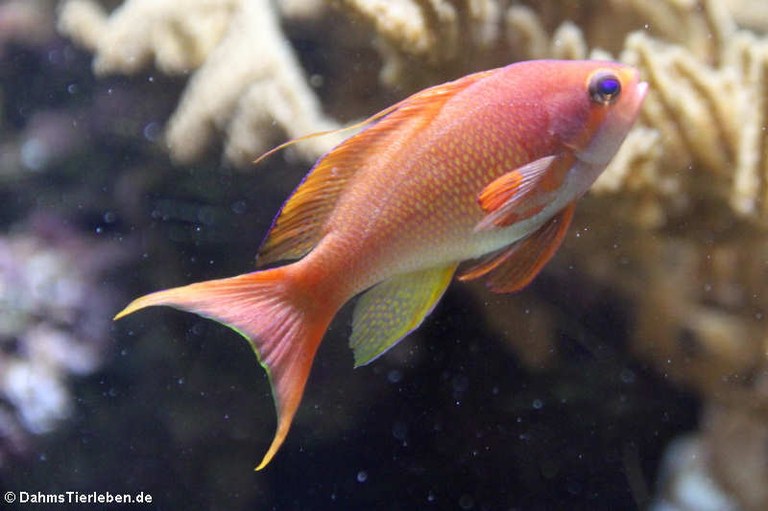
<point x="605" y="89"/>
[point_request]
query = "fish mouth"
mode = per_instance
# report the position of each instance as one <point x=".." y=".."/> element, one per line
<point x="641" y="90"/>
<point x="629" y="112"/>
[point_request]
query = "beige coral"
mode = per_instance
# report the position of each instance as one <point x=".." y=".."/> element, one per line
<point x="247" y="82"/>
<point x="143" y="32"/>
<point x="421" y="40"/>
<point x="750" y="13"/>
<point x="260" y="92"/>
<point x="709" y="117"/>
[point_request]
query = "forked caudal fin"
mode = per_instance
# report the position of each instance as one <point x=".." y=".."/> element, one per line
<point x="272" y="311"/>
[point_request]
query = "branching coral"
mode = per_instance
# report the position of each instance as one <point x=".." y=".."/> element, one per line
<point x="436" y="33"/>
<point x="145" y="32"/>
<point x="248" y="81"/>
<point x="710" y="118"/>
<point x="750" y="13"/>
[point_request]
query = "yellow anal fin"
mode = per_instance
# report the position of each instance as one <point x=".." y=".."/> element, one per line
<point x="392" y="309"/>
<point x="299" y="226"/>
<point x="522" y="192"/>
<point x="516" y="266"/>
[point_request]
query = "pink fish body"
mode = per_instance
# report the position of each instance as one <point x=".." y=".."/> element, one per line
<point x="485" y="168"/>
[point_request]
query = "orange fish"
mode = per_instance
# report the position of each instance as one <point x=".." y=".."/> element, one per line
<point x="487" y="167"/>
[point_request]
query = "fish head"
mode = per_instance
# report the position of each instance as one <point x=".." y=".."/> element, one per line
<point x="592" y="107"/>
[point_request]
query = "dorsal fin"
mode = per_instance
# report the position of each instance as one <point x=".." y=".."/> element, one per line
<point x="299" y="225"/>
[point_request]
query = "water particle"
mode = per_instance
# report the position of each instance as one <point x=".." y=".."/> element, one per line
<point x="400" y="430"/>
<point x="573" y="487"/>
<point x="466" y="502"/>
<point x="34" y="154"/>
<point x="460" y="383"/>
<point x="72" y="88"/>
<point x="109" y="217"/>
<point x="362" y="476"/>
<point x="152" y="131"/>
<point x="395" y="376"/>
<point x="316" y="80"/>
<point x="431" y="497"/>
<point x="627" y="376"/>
<point x="55" y="57"/>
<point x="206" y="215"/>
<point x="538" y="404"/>
<point x="239" y="207"/>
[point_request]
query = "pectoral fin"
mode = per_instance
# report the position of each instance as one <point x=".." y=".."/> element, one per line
<point x="521" y="193"/>
<point x="515" y="266"/>
<point x="392" y="309"/>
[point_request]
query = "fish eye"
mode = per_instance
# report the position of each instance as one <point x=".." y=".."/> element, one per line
<point x="604" y="87"/>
